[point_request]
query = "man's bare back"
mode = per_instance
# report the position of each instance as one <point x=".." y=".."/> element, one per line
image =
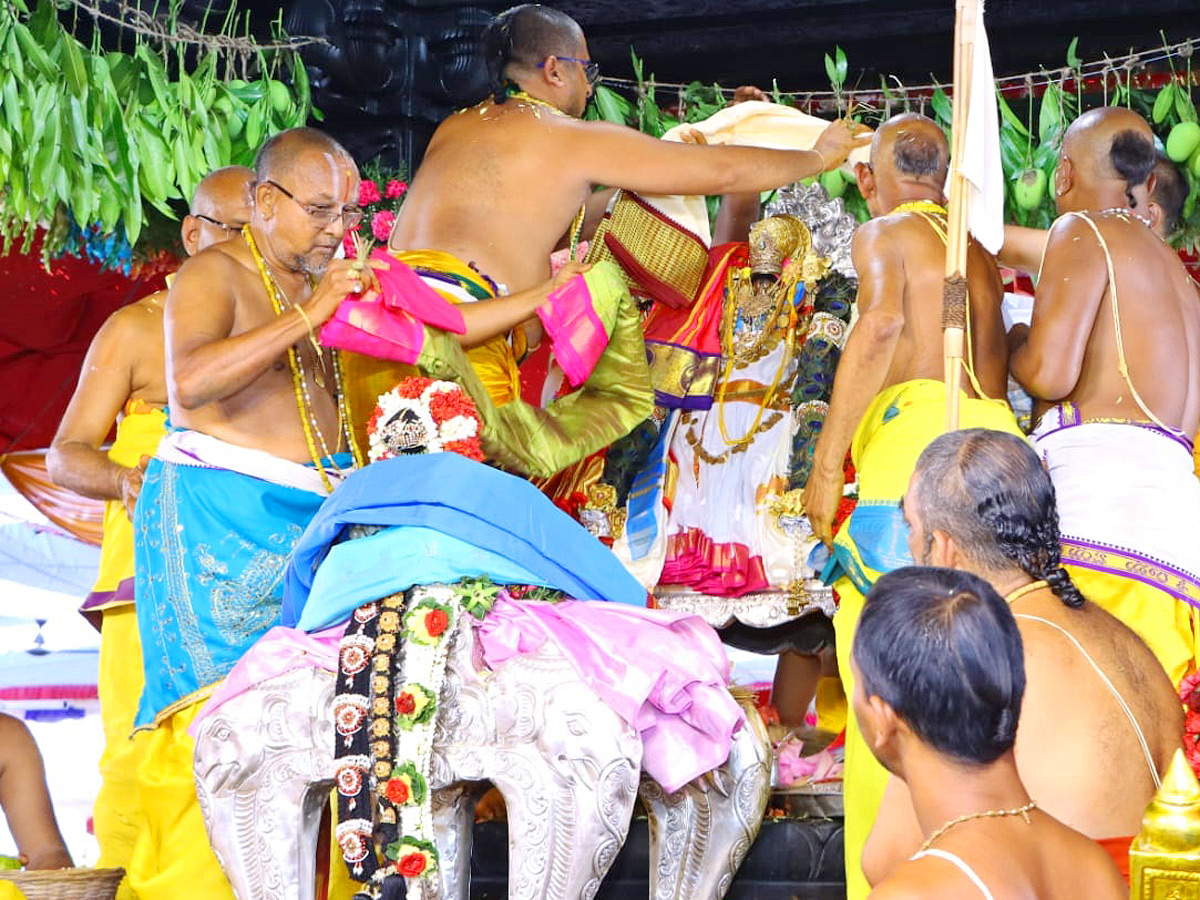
<point x="917" y="259"/>
<point x="1159" y="323"/>
<point x="1076" y="751"/>
<point x="1104" y="798"/>
<point x="1013" y="861"/>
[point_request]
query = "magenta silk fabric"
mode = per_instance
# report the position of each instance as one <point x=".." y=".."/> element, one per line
<point x="391" y="324"/>
<point x="577" y="335"/>
<point x="666" y="674"/>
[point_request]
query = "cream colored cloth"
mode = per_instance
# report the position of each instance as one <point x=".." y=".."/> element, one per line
<point x="754" y="123"/>
<point x="980" y="164"/>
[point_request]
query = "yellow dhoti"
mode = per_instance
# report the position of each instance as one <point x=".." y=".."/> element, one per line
<point x="173" y="858"/>
<point x="118" y="812"/>
<point x="899" y="424"/>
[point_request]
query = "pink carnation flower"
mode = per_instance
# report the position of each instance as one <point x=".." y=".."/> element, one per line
<point x="368" y="192"/>
<point x="381" y="224"/>
<point x="395" y="189"/>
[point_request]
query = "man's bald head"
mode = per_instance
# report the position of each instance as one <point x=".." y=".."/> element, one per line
<point x="909" y="157"/>
<point x="221" y="204"/>
<point x="1103" y="149"/>
<point x="225" y="189"/>
<point x="915" y="148"/>
<point x="286" y="151"/>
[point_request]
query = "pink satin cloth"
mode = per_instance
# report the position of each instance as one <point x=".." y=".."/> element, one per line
<point x="391" y="324"/>
<point x="721" y="569"/>
<point x="663" y="673"/>
<point x="577" y="336"/>
<point x="278" y="651"/>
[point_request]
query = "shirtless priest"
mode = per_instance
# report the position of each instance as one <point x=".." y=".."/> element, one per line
<point x="980" y="501"/>
<point x="939" y="677"/>
<point x="1114" y="351"/>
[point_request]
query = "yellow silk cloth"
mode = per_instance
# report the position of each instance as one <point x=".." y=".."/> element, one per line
<point x="1169" y="626"/>
<point x="138" y="434"/>
<point x="117" y="814"/>
<point x="172" y="857"/>
<point x="495" y="360"/>
<point x="899" y="424"/>
<point x="539" y="442"/>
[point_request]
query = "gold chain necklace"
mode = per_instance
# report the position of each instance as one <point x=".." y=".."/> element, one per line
<point x="1022" y="811"/>
<point x="304" y="404"/>
<point x="1013" y="596"/>
<point x="921" y="206"/>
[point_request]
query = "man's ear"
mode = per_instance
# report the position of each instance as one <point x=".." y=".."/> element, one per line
<point x="943" y="551"/>
<point x="865" y="176"/>
<point x="190" y="233"/>
<point x="552" y="71"/>
<point x="264" y="200"/>
<point x="886" y="723"/>
<point x="1064" y="176"/>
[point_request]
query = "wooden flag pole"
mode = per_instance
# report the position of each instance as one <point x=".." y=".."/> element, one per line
<point x="954" y="289"/>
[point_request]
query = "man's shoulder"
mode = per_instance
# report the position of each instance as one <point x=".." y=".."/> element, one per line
<point x="141" y="319"/>
<point x="228" y="259"/>
<point x="921" y="879"/>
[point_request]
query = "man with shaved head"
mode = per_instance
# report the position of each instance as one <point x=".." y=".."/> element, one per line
<point x="123" y="380"/>
<point x="889" y="399"/>
<point x="257" y="442"/>
<point x="1113" y="351"/>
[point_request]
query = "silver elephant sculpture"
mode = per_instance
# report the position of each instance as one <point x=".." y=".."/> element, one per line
<point x="568" y="767"/>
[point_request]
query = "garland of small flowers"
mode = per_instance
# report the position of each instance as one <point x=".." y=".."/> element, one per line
<point x="420" y="415"/>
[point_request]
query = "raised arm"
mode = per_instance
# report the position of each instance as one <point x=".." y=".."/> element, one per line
<point x="619" y="156"/>
<point x="26" y="799"/>
<point x="75" y="460"/>
<point x="206" y="362"/>
<point x="1047" y="356"/>
<point x="861" y="372"/>
<point x="486" y="319"/>
<point x="1023" y="248"/>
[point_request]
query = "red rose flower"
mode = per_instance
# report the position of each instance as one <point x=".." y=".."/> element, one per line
<point x="405" y="703"/>
<point x="436" y="622"/>
<point x="412" y="865"/>
<point x="396" y="791"/>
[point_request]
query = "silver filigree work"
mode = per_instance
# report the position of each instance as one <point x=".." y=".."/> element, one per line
<point x="761" y="610"/>
<point x="567" y="765"/>
<point x="831" y="226"/>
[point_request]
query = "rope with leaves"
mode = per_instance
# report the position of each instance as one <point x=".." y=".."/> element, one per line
<point x="100" y="147"/>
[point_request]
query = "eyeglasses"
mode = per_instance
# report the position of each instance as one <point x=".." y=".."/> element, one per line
<point x="323" y="216"/>
<point x="591" y="70"/>
<point x="228" y="229"/>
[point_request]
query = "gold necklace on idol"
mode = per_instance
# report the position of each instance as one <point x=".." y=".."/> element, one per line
<point x="281" y="303"/>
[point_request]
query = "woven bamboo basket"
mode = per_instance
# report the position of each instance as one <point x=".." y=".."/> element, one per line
<point x="66" y="884"/>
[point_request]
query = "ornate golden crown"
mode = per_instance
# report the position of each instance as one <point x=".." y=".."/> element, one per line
<point x="774" y="239"/>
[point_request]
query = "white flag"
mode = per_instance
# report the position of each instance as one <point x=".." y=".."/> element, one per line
<point x="980" y="164"/>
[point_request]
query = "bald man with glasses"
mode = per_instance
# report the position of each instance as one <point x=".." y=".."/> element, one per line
<point x="257" y="442"/>
<point x="123" y="380"/>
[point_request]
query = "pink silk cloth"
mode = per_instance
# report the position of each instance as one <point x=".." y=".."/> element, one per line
<point x="663" y="673"/>
<point x="391" y="324"/>
<point x="577" y="334"/>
